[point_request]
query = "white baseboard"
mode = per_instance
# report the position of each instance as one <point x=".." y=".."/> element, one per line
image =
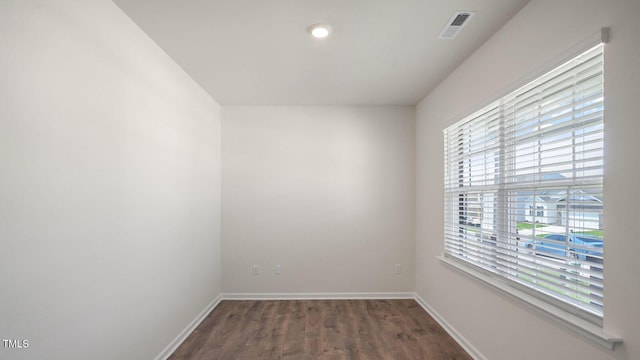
<point x="188" y="330"/>
<point x="466" y="345"/>
<point x="317" y="296"/>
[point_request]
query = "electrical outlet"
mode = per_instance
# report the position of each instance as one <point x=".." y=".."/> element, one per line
<point x="255" y="269"/>
<point x="398" y="269"/>
<point x="277" y="269"/>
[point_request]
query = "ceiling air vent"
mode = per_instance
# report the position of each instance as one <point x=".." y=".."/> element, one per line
<point x="455" y="24"/>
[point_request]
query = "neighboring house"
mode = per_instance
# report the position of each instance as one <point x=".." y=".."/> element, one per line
<point x="540" y="209"/>
<point x="584" y="211"/>
<point x="551" y="208"/>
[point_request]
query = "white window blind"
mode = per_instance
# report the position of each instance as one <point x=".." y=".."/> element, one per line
<point x="523" y="187"/>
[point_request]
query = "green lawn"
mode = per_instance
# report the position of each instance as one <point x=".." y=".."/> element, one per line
<point x="526" y="225"/>
<point x="597" y="233"/>
<point x="555" y="280"/>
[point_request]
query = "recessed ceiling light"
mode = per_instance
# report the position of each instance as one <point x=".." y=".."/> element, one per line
<point x="319" y="31"/>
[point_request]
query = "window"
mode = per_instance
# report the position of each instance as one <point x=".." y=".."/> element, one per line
<point x="523" y="187"/>
<point x="539" y="211"/>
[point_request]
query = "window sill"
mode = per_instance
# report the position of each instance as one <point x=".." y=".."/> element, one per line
<point x="572" y="322"/>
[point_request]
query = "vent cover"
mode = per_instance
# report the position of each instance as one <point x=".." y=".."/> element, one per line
<point x="455" y="24"/>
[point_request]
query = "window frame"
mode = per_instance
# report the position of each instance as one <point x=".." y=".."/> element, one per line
<point x="568" y="313"/>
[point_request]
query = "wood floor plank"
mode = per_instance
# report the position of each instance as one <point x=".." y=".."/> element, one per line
<point x="319" y="329"/>
<point x="294" y="334"/>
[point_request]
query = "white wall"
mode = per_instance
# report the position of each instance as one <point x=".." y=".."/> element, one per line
<point x="109" y="186"/>
<point x="501" y="328"/>
<point x="326" y="192"/>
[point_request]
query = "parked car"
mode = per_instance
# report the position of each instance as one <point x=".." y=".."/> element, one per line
<point x="557" y="247"/>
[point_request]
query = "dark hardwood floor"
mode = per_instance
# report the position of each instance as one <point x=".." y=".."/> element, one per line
<point x="319" y="329"/>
